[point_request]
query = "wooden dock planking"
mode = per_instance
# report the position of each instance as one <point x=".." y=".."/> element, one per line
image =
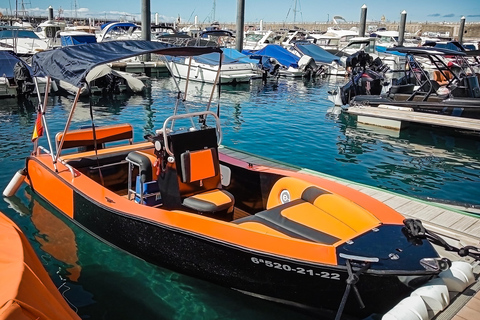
<point x="417" y="117"/>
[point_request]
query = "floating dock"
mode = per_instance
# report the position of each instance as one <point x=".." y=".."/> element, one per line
<point x="459" y="226"/>
<point x="399" y="117"/>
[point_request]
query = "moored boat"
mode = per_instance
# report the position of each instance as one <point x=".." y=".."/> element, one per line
<point x="178" y="201"/>
<point x="27" y="290"/>
<point x="429" y="84"/>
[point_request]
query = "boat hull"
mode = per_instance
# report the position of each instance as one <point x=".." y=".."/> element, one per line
<point x="459" y="107"/>
<point x="229" y="74"/>
<point x="222" y="261"/>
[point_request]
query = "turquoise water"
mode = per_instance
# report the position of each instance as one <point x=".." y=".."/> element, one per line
<point x="288" y="121"/>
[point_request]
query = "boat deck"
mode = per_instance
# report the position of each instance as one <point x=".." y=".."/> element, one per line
<point x="389" y="116"/>
<point x="459" y="226"/>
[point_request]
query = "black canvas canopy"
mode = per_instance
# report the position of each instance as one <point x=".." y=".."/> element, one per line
<point x="73" y="63"/>
<point x="427" y="51"/>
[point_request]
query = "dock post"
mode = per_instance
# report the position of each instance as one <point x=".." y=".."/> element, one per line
<point x="363" y="21"/>
<point x="401" y="30"/>
<point x="240" y="24"/>
<point x="461" y="30"/>
<point x="146" y="30"/>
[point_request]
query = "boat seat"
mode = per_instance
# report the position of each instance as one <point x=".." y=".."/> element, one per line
<point x="191" y="179"/>
<point x="442" y="79"/>
<point x="299" y="209"/>
<point x="84" y="138"/>
<point x="197" y="166"/>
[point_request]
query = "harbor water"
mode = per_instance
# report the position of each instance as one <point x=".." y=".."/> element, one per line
<point x="291" y="121"/>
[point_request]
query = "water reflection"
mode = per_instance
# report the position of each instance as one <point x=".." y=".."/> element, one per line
<point x="418" y="161"/>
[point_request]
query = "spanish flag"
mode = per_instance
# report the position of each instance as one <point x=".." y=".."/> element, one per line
<point x="38" y="129"/>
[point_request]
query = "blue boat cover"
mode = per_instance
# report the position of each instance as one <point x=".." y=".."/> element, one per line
<point x="282" y="55"/>
<point x="120" y="25"/>
<point x="74" y="39"/>
<point x="73" y="63"/>
<point x="237" y="55"/>
<point x="8" y="59"/>
<point x="318" y="54"/>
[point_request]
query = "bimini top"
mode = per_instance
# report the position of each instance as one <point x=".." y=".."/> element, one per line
<point x="73" y="63"/>
<point x="318" y="54"/>
<point x="427" y="51"/>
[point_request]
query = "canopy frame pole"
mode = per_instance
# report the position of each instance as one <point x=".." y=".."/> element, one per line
<point x="67" y="125"/>
<point x="43" y="108"/>
<point x="216" y="81"/>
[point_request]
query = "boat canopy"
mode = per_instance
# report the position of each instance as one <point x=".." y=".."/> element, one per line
<point x="8" y="60"/>
<point x="122" y="25"/>
<point x="318" y="54"/>
<point x="426" y="51"/>
<point x="72" y="63"/>
<point x="282" y="55"/>
<point x="71" y="39"/>
<point x="237" y="55"/>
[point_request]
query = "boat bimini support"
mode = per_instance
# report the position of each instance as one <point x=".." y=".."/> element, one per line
<point x="67" y="126"/>
<point x="42" y="108"/>
<point x="184" y="96"/>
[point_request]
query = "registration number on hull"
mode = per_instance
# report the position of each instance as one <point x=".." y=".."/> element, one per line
<point x="299" y="270"/>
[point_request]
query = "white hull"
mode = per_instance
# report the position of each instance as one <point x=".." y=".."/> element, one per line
<point x="8" y="90"/>
<point x="230" y="73"/>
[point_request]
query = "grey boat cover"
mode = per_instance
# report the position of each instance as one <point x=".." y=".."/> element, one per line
<point x="72" y="63"/>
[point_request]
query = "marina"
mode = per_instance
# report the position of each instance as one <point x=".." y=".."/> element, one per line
<point x="242" y="184"/>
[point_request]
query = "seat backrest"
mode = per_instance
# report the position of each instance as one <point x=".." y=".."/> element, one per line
<point x="199" y="165"/>
<point x="85" y="137"/>
<point x="196" y="167"/>
<point x="437" y="76"/>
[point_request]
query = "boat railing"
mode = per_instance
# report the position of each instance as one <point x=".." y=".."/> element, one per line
<point x="69" y="167"/>
<point x="191" y="115"/>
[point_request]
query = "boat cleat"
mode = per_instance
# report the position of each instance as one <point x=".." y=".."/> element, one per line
<point x="436" y="264"/>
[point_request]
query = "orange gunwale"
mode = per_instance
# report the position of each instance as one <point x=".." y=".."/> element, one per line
<point x="226" y="232"/>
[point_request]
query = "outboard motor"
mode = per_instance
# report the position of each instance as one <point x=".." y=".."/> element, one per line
<point x="23" y="79"/>
<point x="367" y="76"/>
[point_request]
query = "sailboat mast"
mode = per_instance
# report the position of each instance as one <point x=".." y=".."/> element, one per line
<point x="294" y="12"/>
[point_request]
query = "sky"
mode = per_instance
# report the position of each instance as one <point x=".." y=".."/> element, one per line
<point x="256" y="10"/>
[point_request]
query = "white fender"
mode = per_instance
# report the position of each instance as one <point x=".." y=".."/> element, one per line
<point x="458" y="277"/>
<point x="410" y="308"/>
<point x="15" y="183"/>
<point x="435" y="295"/>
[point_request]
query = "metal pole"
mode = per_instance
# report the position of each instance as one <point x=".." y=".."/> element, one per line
<point x="401" y="31"/>
<point x="363" y="21"/>
<point x="461" y="30"/>
<point x="146" y="28"/>
<point x="240" y="24"/>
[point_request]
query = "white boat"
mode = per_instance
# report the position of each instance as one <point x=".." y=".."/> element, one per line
<point x="49" y="30"/>
<point x="22" y="41"/>
<point x="204" y="69"/>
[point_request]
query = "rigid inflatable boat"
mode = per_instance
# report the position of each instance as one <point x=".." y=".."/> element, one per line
<point x="27" y="290"/>
<point x="178" y="200"/>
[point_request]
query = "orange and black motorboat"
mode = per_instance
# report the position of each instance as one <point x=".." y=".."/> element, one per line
<point x="178" y="201"/>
